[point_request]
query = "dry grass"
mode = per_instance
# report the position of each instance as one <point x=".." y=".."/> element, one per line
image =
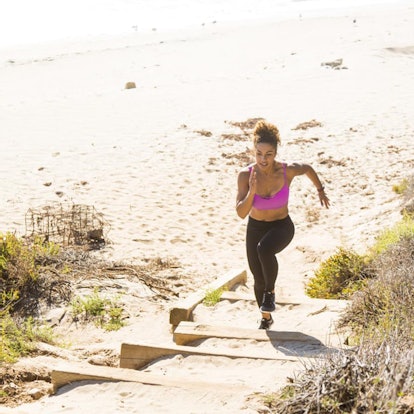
<point x="377" y="374"/>
<point x="58" y="277"/>
<point x="386" y="304"/>
<point x="376" y="378"/>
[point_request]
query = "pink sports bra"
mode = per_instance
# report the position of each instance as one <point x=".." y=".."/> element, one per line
<point x="276" y="201"/>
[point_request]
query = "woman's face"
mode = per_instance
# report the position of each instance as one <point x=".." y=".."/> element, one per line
<point x="265" y="155"/>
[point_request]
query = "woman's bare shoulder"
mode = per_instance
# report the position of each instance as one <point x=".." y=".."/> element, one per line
<point x="293" y="164"/>
<point x="297" y="168"/>
<point x="247" y="169"/>
<point x="244" y="175"/>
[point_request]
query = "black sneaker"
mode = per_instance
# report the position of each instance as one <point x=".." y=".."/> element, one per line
<point x="266" y="323"/>
<point x="268" y="304"/>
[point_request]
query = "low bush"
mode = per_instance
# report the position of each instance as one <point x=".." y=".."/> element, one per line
<point x="19" y="266"/>
<point x="391" y="236"/>
<point x="385" y="304"/>
<point x="402" y="187"/>
<point x="20" y="262"/>
<point x="338" y="277"/>
<point x="376" y="378"/>
<point x="377" y="375"/>
<point x="213" y="296"/>
<point x="105" y="312"/>
<point x="19" y="339"/>
<point x="347" y="272"/>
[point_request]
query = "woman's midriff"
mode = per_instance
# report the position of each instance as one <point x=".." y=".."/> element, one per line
<point x="269" y="215"/>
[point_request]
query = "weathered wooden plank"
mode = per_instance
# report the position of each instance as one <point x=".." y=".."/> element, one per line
<point x="136" y="356"/>
<point x="183" y="310"/>
<point x="190" y="331"/>
<point x="70" y="374"/>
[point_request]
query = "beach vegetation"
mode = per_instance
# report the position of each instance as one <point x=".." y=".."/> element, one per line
<point x="213" y="296"/>
<point x="269" y="399"/>
<point x="374" y="371"/>
<point x="20" y="261"/>
<point x="103" y="311"/>
<point x="40" y="280"/>
<point x="385" y="304"/>
<point x="401" y="187"/>
<point x="339" y="276"/>
<point x="18" y="339"/>
<point x="36" y="275"/>
<point x="347" y="272"/>
<point x="393" y="235"/>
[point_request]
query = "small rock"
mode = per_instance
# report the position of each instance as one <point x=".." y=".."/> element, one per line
<point x="35" y="393"/>
<point x="333" y="64"/>
<point x="130" y="85"/>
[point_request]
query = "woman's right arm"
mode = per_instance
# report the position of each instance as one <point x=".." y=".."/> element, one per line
<point x="246" y="189"/>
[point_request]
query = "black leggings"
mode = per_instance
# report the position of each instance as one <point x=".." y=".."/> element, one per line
<point x="263" y="240"/>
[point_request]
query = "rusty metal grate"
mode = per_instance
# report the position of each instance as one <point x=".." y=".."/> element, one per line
<point x="75" y="224"/>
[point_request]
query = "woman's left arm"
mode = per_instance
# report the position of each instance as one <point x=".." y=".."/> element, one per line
<point x="300" y="169"/>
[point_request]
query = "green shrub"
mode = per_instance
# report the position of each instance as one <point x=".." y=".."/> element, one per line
<point x="213" y="296"/>
<point x="19" y="265"/>
<point x="385" y="304"/>
<point x="19" y="272"/>
<point x="339" y="276"/>
<point x="390" y="237"/>
<point x="104" y="312"/>
<point x="17" y="260"/>
<point x="346" y="271"/>
<point x="401" y="188"/>
<point x="17" y="340"/>
<point x="376" y="375"/>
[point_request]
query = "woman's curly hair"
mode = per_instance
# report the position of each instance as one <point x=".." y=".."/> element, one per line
<point x="267" y="133"/>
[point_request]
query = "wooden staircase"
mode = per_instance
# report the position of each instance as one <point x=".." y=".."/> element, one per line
<point x="186" y="335"/>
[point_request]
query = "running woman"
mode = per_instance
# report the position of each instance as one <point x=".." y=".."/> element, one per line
<point x="263" y="195"/>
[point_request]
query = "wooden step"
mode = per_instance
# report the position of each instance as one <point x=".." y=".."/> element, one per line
<point x="67" y="374"/>
<point x="183" y="310"/>
<point x="190" y="331"/>
<point x="136" y="356"/>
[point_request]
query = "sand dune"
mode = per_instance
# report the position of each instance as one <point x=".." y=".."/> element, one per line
<point x="160" y="162"/>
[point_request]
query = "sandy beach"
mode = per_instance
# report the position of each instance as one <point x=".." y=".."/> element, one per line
<point x="160" y="162"/>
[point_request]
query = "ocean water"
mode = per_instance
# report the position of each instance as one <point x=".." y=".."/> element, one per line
<point x="25" y="22"/>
